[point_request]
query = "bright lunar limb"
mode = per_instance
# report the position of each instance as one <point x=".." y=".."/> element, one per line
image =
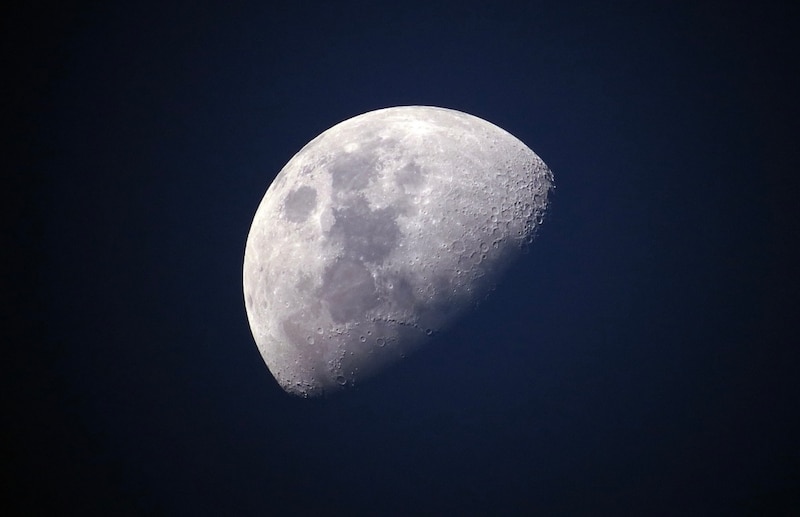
<point x="380" y="233"/>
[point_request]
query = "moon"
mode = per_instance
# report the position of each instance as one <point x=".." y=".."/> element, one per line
<point x="379" y="234"/>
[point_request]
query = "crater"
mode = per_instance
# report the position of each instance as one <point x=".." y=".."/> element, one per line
<point x="299" y="204"/>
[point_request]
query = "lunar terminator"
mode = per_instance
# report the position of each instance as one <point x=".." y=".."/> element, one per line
<point x="380" y="233"/>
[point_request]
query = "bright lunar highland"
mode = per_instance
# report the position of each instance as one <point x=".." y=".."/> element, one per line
<point x="380" y="233"/>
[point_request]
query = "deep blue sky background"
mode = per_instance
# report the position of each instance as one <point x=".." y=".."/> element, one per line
<point x="640" y="361"/>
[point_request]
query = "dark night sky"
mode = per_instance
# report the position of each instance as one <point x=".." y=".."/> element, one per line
<point x="640" y="361"/>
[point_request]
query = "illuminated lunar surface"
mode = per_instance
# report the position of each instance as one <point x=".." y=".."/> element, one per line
<point x="380" y="233"/>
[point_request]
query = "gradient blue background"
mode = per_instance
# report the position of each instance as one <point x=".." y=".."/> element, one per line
<point x="640" y="361"/>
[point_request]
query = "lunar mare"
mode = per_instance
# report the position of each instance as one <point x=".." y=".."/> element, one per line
<point x="380" y="233"/>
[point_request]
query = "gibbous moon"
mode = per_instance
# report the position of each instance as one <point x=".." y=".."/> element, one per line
<point x="380" y="233"/>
